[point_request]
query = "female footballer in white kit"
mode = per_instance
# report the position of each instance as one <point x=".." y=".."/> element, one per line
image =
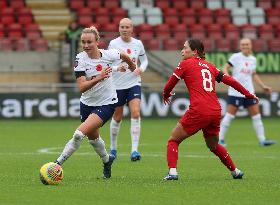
<point x="98" y="99"/>
<point x="128" y="85"/>
<point x="243" y="66"/>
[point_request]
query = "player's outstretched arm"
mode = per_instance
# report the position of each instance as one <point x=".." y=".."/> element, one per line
<point x="228" y="80"/>
<point x="258" y="80"/>
<point x="166" y="94"/>
<point x="125" y="58"/>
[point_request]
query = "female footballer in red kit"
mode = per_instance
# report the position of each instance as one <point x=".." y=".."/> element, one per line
<point x="204" y="112"/>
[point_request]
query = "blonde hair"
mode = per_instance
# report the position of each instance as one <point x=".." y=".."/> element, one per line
<point x="92" y="30"/>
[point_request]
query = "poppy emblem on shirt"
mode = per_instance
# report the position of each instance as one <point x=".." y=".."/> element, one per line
<point x="246" y="64"/>
<point x="98" y="67"/>
<point x="128" y="51"/>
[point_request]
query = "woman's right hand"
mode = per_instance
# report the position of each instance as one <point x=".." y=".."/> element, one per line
<point x="104" y="73"/>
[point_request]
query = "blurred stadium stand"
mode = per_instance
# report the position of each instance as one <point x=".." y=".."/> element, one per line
<point x="35" y="27"/>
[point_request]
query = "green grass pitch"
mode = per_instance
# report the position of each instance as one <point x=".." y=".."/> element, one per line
<point x="25" y="145"/>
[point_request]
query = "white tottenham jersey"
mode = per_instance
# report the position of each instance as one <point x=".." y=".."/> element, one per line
<point x="242" y="69"/>
<point x="104" y="92"/>
<point x="134" y="49"/>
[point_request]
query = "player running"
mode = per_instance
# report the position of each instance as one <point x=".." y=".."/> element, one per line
<point x="204" y="112"/>
<point x="97" y="103"/>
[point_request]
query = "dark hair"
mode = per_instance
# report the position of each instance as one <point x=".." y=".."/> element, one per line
<point x="196" y="44"/>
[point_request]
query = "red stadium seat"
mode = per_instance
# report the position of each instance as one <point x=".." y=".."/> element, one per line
<point x="163" y="4"/>
<point x="17" y="4"/>
<point x="14" y="31"/>
<point x="24" y="11"/>
<point x="2" y="31"/>
<point x="197" y="4"/>
<point x="84" y="11"/>
<point x="265" y="4"/>
<point x="222" y="16"/>
<point x="85" y="20"/>
<point x="188" y="16"/>
<point x="152" y="44"/>
<point x="162" y="31"/>
<point x="266" y="31"/>
<point x="249" y="31"/>
<point x="101" y="11"/>
<point x="198" y="31"/>
<point x="180" y="32"/>
<point x="3" y="4"/>
<point x="215" y="31"/>
<point x="143" y="28"/>
<point x="119" y="12"/>
<point x="7" y="19"/>
<point x="171" y="20"/>
<point x="178" y="4"/>
<point x="32" y="35"/>
<point x="223" y="45"/>
<point x="6" y="45"/>
<point x="259" y="45"/>
<point x="170" y="44"/>
<point x="209" y="45"/>
<point x="76" y="4"/>
<point x="7" y="11"/>
<point x="25" y="19"/>
<point x="40" y="45"/>
<point x="231" y="31"/>
<point x="205" y="16"/>
<point x="93" y="4"/>
<point x="102" y="19"/>
<point x="274" y="45"/>
<point x="277" y="4"/>
<point x="273" y="16"/>
<point x="146" y="35"/>
<point x="110" y="27"/>
<point x="111" y="4"/>
<point x="21" y="45"/>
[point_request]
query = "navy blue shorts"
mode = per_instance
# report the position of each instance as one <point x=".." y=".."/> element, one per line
<point x="126" y="95"/>
<point x="105" y="112"/>
<point x="241" y="101"/>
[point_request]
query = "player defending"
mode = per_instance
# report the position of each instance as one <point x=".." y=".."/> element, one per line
<point x="128" y="85"/>
<point x="204" y="112"/>
<point x="243" y="70"/>
<point x="97" y="103"/>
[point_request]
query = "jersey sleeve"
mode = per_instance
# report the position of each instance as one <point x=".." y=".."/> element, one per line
<point x="233" y="60"/>
<point x="254" y="65"/>
<point x="142" y="49"/>
<point x="179" y="71"/>
<point x="113" y="54"/>
<point x="79" y="65"/>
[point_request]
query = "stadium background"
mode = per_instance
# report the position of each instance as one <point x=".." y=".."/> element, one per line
<point x="37" y="83"/>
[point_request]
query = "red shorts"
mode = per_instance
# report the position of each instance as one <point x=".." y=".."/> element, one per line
<point x="209" y="124"/>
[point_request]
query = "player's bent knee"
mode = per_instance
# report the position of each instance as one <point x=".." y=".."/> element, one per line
<point x="78" y="135"/>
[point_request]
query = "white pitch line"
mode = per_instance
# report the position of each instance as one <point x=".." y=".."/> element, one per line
<point x="57" y="151"/>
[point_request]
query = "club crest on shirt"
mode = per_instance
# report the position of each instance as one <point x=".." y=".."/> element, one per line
<point x="76" y="63"/>
<point x="98" y="67"/>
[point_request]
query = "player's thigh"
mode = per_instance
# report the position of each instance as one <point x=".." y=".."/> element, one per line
<point x="134" y="107"/>
<point x="253" y="109"/>
<point x="233" y="104"/>
<point x="232" y="109"/>
<point x="179" y="133"/>
<point x="91" y="124"/>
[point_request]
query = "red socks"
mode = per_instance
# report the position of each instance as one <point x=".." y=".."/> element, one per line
<point x="172" y="153"/>
<point x="222" y="153"/>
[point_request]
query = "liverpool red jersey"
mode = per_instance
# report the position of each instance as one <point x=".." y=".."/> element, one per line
<point x="200" y="77"/>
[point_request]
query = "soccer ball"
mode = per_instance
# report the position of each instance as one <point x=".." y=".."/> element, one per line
<point x="51" y="173"/>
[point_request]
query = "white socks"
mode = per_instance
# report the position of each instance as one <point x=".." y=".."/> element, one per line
<point x="225" y="124"/>
<point x="173" y="171"/>
<point x="258" y="126"/>
<point x="99" y="147"/>
<point x="135" y="133"/>
<point x="114" y="131"/>
<point x="71" y="146"/>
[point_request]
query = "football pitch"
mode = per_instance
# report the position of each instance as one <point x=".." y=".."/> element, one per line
<point x="28" y="144"/>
